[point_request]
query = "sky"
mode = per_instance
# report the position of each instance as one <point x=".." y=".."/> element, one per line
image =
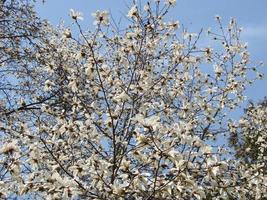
<point x="193" y="14"/>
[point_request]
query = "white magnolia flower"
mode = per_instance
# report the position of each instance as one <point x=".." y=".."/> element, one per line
<point x="151" y="121"/>
<point x="76" y="15"/>
<point x="121" y="97"/>
<point x="15" y="172"/>
<point x="189" y="36"/>
<point x="125" y="164"/>
<point x="218" y="70"/>
<point x="206" y="149"/>
<point x="141" y="139"/>
<point x="9" y="148"/>
<point x="89" y="71"/>
<point x="133" y="12"/>
<point x="117" y="189"/>
<point x="48" y="85"/>
<point x="56" y="176"/>
<point x="73" y="86"/>
<point x="101" y="17"/>
<point x="67" y="33"/>
<point x="215" y="170"/>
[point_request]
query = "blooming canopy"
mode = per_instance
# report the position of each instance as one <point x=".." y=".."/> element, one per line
<point x="128" y="112"/>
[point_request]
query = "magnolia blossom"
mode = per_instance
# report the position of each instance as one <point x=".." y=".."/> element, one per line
<point x="76" y="15"/>
<point x="67" y="33"/>
<point x="9" y="148"/>
<point x="48" y="85"/>
<point x="101" y="17"/>
<point x="122" y="97"/>
<point x="132" y="13"/>
<point x="73" y="85"/>
<point x="218" y="70"/>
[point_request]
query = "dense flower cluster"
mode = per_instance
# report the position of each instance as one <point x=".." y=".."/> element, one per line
<point x="129" y="113"/>
<point x="249" y="135"/>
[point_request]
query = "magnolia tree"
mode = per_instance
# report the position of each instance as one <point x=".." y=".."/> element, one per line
<point x="134" y="112"/>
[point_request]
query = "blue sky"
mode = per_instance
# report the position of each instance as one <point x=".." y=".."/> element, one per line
<point x="195" y="14"/>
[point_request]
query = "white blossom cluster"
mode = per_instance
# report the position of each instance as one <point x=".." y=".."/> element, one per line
<point x="249" y="135"/>
<point x="132" y="113"/>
